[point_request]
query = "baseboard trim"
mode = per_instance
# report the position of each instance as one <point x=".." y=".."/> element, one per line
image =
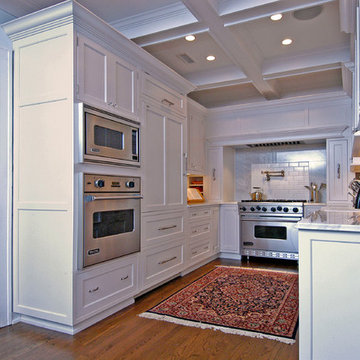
<point x="68" y="329"/>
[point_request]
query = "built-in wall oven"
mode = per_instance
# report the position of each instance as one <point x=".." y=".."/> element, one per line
<point x="111" y="217"/>
<point x="268" y="229"/>
<point x="107" y="138"/>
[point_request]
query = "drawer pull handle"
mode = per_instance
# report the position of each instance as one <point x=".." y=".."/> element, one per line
<point x="206" y="212"/>
<point x="194" y="214"/>
<point x="167" y="102"/>
<point x="124" y="278"/>
<point x="206" y="229"/>
<point x="165" y="261"/>
<point x="194" y="252"/>
<point x="194" y="231"/>
<point x="167" y="227"/>
<point x="93" y="290"/>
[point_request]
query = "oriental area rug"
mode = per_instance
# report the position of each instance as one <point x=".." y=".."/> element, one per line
<point x="235" y="300"/>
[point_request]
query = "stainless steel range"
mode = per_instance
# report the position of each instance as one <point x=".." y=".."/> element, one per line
<point x="268" y="228"/>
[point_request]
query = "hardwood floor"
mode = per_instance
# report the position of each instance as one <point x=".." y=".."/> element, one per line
<point x="125" y="335"/>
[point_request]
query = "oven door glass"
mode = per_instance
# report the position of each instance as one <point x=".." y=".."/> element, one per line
<point x="111" y="227"/>
<point x="116" y="222"/>
<point x="270" y="232"/>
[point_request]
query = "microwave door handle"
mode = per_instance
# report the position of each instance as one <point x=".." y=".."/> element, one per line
<point x="89" y="198"/>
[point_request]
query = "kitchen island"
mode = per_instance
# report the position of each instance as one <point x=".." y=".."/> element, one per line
<point x="329" y="273"/>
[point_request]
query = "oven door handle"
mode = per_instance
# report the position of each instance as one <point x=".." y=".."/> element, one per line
<point x="89" y="198"/>
<point x="271" y="219"/>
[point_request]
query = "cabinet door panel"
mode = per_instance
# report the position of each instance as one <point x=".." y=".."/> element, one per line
<point x="123" y="85"/>
<point x="196" y="162"/>
<point x="229" y="229"/>
<point x="174" y="161"/>
<point x="154" y="181"/>
<point x="214" y="168"/>
<point x="337" y="170"/>
<point x="92" y="72"/>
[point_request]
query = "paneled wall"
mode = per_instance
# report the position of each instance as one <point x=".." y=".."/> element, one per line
<point x="302" y="164"/>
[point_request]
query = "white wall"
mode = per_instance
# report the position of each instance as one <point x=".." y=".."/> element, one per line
<point x="302" y="164"/>
<point x="6" y="178"/>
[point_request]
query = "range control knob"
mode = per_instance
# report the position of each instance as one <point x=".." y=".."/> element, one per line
<point x="130" y="184"/>
<point x="279" y="208"/>
<point x="252" y="208"/>
<point x="99" y="183"/>
<point x="243" y="208"/>
<point x="286" y="209"/>
<point x="295" y="210"/>
<point x="258" y="208"/>
<point x="264" y="209"/>
<point x="273" y="209"/>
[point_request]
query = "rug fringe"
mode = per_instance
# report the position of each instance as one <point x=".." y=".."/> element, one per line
<point x="214" y="327"/>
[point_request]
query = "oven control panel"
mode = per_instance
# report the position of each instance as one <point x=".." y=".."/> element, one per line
<point x="271" y="208"/>
<point x="110" y="183"/>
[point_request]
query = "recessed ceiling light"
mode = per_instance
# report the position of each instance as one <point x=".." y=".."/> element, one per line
<point x="276" y="17"/>
<point x="210" y="58"/>
<point x="190" y="37"/>
<point x="286" y="42"/>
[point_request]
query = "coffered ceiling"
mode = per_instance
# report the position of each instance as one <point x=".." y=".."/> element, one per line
<point x="251" y="64"/>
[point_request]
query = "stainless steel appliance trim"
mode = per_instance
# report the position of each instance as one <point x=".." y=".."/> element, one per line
<point x="125" y="153"/>
<point x="119" y="197"/>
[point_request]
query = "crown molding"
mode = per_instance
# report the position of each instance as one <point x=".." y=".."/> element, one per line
<point x="40" y="21"/>
<point x="152" y="21"/>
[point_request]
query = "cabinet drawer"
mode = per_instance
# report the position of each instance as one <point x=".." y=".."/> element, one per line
<point x="197" y="229"/>
<point x="199" y="251"/>
<point x="199" y="213"/>
<point x="158" y="229"/>
<point x="159" y="264"/>
<point x="105" y="286"/>
<point x="168" y="98"/>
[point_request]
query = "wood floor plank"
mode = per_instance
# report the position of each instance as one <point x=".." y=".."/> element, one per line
<point x="127" y="336"/>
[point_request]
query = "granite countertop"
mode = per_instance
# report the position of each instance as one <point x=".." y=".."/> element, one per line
<point x="332" y="219"/>
<point x="314" y="204"/>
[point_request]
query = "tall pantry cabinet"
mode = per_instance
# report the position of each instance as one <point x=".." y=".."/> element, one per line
<point x="58" y="61"/>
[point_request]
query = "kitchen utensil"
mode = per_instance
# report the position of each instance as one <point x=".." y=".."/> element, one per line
<point x="257" y="195"/>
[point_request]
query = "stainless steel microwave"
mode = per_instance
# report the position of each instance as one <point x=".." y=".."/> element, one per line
<point x="109" y="138"/>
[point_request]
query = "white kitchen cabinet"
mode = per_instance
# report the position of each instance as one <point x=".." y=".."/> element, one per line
<point x="196" y="139"/>
<point x="158" y="264"/>
<point x="159" y="228"/>
<point x="220" y="174"/>
<point x="105" y="285"/>
<point x="164" y="144"/>
<point x="329" y="272"/>
<point x="105" y="80"/>
<point x="49" y="287"/>
<point x="215" y="228"/>
<point x="166" y="98"/>
<point x="202" y="233"/>
<point x="337" y="171"/>
<point x="229" y="229"/>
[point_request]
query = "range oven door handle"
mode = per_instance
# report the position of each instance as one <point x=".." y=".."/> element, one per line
<point x="89" y="198"/>
<point x="271" y="219"/>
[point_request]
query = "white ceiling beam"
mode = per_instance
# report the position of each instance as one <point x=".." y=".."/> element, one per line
<point x="171" y="34"/>
<point x="236" y="47"/>
<point x="281" y="6"/>
<point x="228" y="19"/>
